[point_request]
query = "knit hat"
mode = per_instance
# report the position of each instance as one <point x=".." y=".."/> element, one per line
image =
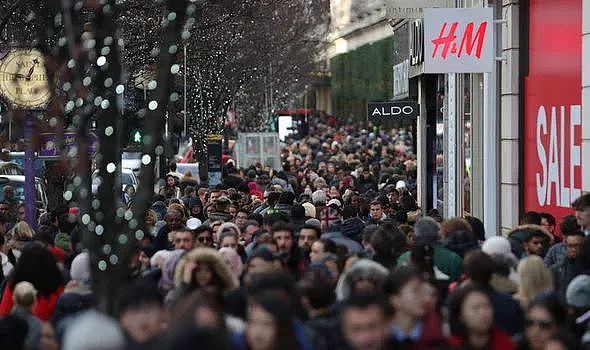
<point x="94" y="331"/>
<point x="309" y="210"/>
<point x="193" y="223"/>
<point x="578" y="292"/>
<point x="314" y="222"/>
<point x="80" y="270"/>
<point x="497" y="245"/>
<point x="63" y="241"/>
<point x="222" y="204"/>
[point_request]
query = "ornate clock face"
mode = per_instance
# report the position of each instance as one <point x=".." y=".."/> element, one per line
<point x="23" y="79"/>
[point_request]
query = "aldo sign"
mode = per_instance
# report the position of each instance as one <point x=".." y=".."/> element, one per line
<point x="392" y="111"/>
<point x="458" y="40"/>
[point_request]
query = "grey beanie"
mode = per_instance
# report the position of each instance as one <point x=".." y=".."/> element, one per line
<point x="578" y="292"/>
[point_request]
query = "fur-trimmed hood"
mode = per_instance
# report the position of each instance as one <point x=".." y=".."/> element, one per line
<point x="528" y="228"/>
<point x="210" y="257"/>
<point x="363" y="268"/>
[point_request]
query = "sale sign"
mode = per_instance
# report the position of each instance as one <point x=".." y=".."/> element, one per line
<point x="552" y="176"/>
<point x="458" y="40"/>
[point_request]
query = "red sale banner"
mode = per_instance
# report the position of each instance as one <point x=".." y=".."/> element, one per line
<point x="552" y="176"/>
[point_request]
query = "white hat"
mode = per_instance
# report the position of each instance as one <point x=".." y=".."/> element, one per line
<point x="93" y="330"/>
<point x="80" y="270"/>
<point x="193" y="223"/>
<point x="400" y="184"/>
<point x="334" y="202"/>
<point x="497" y="245"/>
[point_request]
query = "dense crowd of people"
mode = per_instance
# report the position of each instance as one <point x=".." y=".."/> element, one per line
<point x="329" y="252"/>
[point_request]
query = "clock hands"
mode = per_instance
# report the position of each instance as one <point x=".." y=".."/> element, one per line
<point x="17" y="75"/>
<point x="35" y="62"/>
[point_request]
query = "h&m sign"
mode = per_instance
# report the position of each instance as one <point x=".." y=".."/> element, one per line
<point x="458" y="40"/>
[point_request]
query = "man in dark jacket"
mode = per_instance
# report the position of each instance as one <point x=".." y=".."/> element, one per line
<point x="573" y="242"/>
<point x="285" y="203"/>
<point x="173" y="222"/>
<point x="221" y="212"/>
<point x="352" y="226"/>
<point x="318" y="298"/>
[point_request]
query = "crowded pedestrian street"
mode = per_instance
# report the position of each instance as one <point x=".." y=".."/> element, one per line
<point x="294" y="175"/>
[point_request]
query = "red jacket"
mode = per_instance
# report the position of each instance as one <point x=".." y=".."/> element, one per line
<point x="43" y="309"/>
<point x="432" y="335"/>
<point x="500" y="340"/>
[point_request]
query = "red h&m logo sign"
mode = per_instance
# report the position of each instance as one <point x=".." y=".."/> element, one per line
<point x="458" y="40"/>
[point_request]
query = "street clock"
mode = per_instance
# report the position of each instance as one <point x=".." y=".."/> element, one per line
<point x="23" y="79"/>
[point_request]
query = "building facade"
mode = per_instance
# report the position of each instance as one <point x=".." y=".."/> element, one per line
<point x="492" y="145"/>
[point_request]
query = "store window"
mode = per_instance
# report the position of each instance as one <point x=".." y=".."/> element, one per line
<point x="472" y="121"/>
<point x="467" y="143"/>
<point x="439" y="146"/>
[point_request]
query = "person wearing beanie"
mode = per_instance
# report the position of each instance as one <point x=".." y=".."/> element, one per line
<point x="78" y="294"/>
<point x="93" y="330"/>
<point x="426" y="231"/>
<point x="498" y="245"/>
<point x="578" y="292"/>
<point x="25" y="298"/>
<point x="577" y="297"/>
<point x="195" y="208"/>
<point x="221" y="211"/>
<point x="285" y="203"/>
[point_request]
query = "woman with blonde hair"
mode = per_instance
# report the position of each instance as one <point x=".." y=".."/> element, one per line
<point x="533" y="278"/>
<point x="22" y="234"/>
<point x="25" y="298"/>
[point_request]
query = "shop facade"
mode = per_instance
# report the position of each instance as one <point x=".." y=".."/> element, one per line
<point x="497" y="144"/>
<point x="458" y="115"/>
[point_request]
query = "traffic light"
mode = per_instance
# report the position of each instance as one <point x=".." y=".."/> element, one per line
<point x="136" y="136"/>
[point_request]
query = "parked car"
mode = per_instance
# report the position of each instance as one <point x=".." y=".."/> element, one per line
<point x="10" y="168"/>
<point x="18" y="183"/>
<point x="19" y="159"/>
<point x="132" y="161"/>
<point x="127" y="178"/>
